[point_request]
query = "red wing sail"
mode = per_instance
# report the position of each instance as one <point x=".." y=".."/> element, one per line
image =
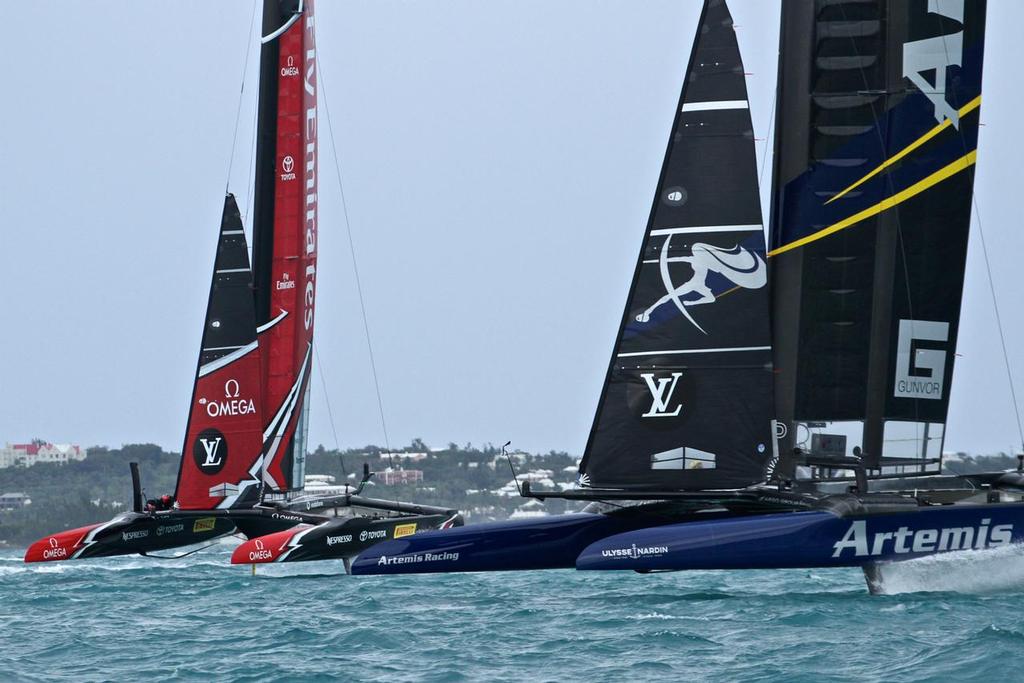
<point x="223" y="451"/>
<point x="292" y="284"/>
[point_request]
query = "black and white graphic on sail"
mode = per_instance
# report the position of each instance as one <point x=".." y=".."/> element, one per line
<point x="687" y="403"/>
<point x="714" y="271"/>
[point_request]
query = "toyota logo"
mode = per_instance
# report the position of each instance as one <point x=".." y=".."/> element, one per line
<point x="288" y="164"/>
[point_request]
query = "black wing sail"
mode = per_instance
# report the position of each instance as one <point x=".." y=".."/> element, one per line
<point x="874" y="169"/>
<point x="687" y="402"/>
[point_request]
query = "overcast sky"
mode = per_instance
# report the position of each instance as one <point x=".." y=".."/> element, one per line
<point x="498" y="158"/>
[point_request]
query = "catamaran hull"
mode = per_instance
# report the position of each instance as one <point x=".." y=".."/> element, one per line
<point x="129" y="534"/>
<point x="335" y="539"/>
<point x="809" y="539"/>
<point x="133" y="533"/>
<point x="547" y="543"/>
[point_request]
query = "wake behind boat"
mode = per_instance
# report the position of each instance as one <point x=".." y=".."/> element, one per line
<point x="786" y="407"/>
<point x="243" y="457"/>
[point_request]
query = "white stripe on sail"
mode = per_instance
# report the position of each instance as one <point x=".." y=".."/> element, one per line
<point x="673" y="352"/>
<point x="215" y="365"/>
<point x="233" y="232"/>
<point x="270" y="323"/>
<point x="232" y="270"/>
<point x="707" y="228"/>
<point x="716" y="105"/>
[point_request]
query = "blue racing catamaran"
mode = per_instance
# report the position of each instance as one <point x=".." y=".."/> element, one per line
<point x="784" y="405"/>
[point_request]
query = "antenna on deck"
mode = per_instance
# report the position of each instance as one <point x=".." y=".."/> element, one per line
<point x="367" y="475"/>
<point x="515" y="477"/>
<point x="136" y="487"/>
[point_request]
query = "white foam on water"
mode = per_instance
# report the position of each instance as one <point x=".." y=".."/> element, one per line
<point x="965" y="571"/>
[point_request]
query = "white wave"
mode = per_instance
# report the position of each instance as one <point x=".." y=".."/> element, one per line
<point x="655" y="615"/>
<point x="966" y="571"/>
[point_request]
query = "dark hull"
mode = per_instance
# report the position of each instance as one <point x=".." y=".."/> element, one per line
<point x="546" y="543"/>
<point x="130" y="534"/>
<point x="133" y="533"/>
<point x="815" y="538"/>
<point x="338" y="538"/>
<point x="810" y="539"/>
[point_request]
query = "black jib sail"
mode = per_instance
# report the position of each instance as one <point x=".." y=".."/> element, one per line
<point x="223" y="450"/>
<point x="687" y="402"/>
<point x="874" y="168"/>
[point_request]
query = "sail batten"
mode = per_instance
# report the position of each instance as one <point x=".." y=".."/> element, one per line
<point x="687" y="399"/>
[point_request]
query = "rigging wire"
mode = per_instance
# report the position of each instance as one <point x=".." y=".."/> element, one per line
<point x="764" y="164"/>
<point x="988" y="271"/>
<point x="999" y="323"/>
<point x="355" y="267"/>
<point x="768" y="139"/>
<point x="330" y="413"/>
<point x="241" y="93"/>
<point x="250" y="185"/>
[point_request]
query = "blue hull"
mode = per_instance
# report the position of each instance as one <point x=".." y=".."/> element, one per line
<point x="808" y="539"/>
<point x="546" y="543"/>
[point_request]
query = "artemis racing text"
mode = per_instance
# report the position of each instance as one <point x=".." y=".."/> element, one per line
<point x="904" y="541"/>
<point x="418" y="558"/>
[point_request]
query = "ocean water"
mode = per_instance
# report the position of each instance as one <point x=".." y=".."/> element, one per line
<point x="955" y="618"/>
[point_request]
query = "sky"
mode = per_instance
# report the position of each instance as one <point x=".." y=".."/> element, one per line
<point x="498" y="161"/>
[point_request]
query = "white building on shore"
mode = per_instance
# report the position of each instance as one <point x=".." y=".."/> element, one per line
<point x="36" y="452"/>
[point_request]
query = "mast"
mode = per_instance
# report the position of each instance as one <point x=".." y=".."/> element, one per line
<point x="875" y="146"/>
<point x="687" y="400"/>
<point x="285" y="233"/>
<point x="266" y="146"/>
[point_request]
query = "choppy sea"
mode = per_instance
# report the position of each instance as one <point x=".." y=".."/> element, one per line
<point x="199" y="618"/>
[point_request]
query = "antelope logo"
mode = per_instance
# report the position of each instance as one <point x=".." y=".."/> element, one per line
<point x="740" y="266"/>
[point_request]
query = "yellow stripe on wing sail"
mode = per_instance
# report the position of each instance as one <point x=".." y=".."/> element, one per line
<point x="917" y="188"/>
<point x="963" y="111"/>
